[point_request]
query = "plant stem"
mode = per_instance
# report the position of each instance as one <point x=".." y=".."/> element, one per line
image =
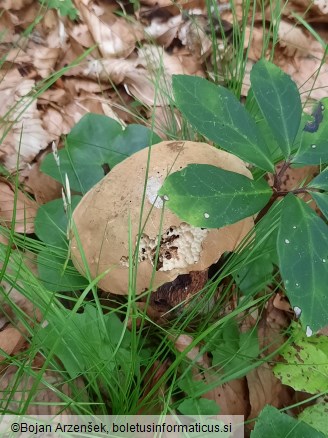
<point x="281" y="193"/>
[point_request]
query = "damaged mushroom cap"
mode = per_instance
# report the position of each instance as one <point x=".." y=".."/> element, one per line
<point x="102" y="220"/>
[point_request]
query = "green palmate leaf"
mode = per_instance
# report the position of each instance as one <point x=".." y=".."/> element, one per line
<point x="54" y="273"/>
<point x="198" y="406"/>
<point x="305" y="357"/>
<point x="314" y="141"/>
<point x="322" y="202"/>
<point x="302" y="246"/>
<point x="206" y="196"/>
<point x="94" y="146"/>
<point x="274" y="424"/>
<point x="216" y="113"/>
<point x="279" y="101"/>
<point x="191" y="386"/>
<point x="233" y="351"/>
<point x="51" y="222"/>
<point x="73" y="331"/>
<point x="65" y="7"/>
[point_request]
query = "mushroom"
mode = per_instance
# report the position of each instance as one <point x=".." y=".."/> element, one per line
<point x="103" y="216"/>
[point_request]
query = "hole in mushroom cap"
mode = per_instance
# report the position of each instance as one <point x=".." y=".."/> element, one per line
<point x="179" y="247"/>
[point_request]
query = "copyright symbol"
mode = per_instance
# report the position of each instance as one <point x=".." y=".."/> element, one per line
<point x="15" y="427"/>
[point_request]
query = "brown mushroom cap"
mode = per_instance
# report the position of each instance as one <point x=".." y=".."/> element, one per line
<point x="102" y="220"/>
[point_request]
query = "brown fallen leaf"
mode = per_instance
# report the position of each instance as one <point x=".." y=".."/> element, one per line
<point x="11" y="341"/>
<point x="43" y="187"/>
<point x="156" y="404"/>
<point x="322" y="5"/>
<point x="296" y="42"/>
<point x="80" y="33"/>
<point x="43" y="58"/>
<point x="264" y="388"/>
<point x="7" y="26"/>
<point x="297" y="53"/>
<point x="182" y="342"/>
<point x="15" y="4"/>
<point x="280" y="302"/>
<point x="164" y="32"/>
<point x="116" y="37"/>
<point x="26" y="208"/>
<point x="309" y="73"/>
<point x="294" y="177"/>
<point x="254" y="42"/>
<point x="21" y="127"/>
<point x="16" y="385"/>
<point x="57" y="122"/>
<point x="232" y="397"/>
<point x="315" y="10"/>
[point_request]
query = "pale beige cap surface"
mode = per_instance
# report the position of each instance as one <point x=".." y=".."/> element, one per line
<point x="102" y="220"/>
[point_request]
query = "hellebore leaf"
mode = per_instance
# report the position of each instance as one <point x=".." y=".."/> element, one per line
<point x="321" y="200"/>
<point x="87" y="339"/>
<point x="302" y="246"/>
<point x="93" y="147"/>
<point x="210" y="197"/>
<point x="217" y="114"/>
<point x="55" y="275"/>
<point x="320" y="181"/>
<point x="50" y="224"/>
<point x="279" y="101"/>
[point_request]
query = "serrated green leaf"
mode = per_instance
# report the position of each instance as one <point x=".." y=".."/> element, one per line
<point x="210" y="197"/>
<point x="314" y="143"/>
<point x="279" y="101"/>
<point x="51" y="222"/>
<point x="216" y="113"/>
<point x="273" y="424"/>
<point x="94" y="146"/>
<point x="322" y="202"/>
<point x="306" y="366"/>
<point x="316" y="417"/>
<point x="302" y="246"/>
<point x="320" y="181"/>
